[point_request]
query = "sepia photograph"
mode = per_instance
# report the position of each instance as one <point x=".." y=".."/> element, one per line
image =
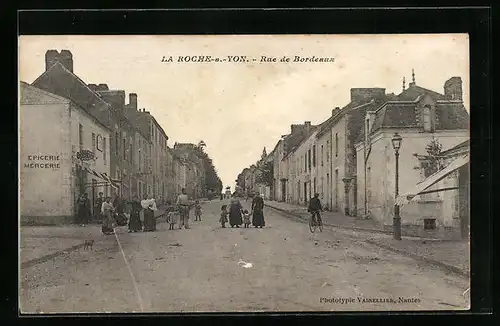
<point x="243" y="173"/>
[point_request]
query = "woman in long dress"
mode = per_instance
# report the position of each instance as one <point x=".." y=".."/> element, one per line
<point x="235" y="218"/>
<point x="258" y="212"/>
<point x="135" y="224"/>
<point x="107" y="211"/>
<point x="149" y="206"/>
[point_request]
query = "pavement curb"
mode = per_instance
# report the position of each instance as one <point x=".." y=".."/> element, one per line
<point x="43" y="259"/>
<point x="332" y="225"/>
<point x="447" y="267"/>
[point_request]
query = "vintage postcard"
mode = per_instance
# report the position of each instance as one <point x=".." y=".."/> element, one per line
<point x="244" y="173"/>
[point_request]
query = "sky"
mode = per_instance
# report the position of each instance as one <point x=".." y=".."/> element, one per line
<point x="238" y="108"/>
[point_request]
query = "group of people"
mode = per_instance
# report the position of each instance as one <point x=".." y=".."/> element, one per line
<point x="238" y="216"/>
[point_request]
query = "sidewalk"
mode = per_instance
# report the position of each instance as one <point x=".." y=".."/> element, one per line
<point x="37" y="242"/>
<point x="334" y="219"/>
<point x="450" y="255"/>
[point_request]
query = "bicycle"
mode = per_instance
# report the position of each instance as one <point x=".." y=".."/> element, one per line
<point x="314" y="222"/>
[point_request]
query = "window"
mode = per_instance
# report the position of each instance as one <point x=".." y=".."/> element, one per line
<point x="104" y="150"/>
<point x="336" y="144"/>
<point x="327" y="151"/>
<point x="130" y="151"/>
<point x="314" y="185"/>
<point x="321" y="155"/>
<point x="309" y="159"/>
<point x="314" y="155"/>
<point x="80" y="136"/>
<point x="117" y="144"/>
<point x="427" y="119"/>
<point x="93" y="143"/>
<point x="124" y="148"/>
<point x="99" y="144"/>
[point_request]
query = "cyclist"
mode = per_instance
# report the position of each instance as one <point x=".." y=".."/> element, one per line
<point x="315" y="208"/>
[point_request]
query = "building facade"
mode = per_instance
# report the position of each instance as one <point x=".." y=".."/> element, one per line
<point x="421" y="117"/>
<point x="51" y="175"/>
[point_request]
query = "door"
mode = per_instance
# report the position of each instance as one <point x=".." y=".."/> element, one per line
<point x="463" y="197"/>
<point x="305" y="193"/>
<point x="283" y="190"/>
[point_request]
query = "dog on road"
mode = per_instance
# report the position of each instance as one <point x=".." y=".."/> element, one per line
<point x="88" y="244"/>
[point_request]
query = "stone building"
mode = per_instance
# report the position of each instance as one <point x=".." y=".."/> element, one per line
<point x="420" y="116"/>
<point x="52" y="176"/>
<point x="298" y="133"/>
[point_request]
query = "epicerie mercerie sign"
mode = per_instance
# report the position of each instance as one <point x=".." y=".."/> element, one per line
<point x="43" y="162"/>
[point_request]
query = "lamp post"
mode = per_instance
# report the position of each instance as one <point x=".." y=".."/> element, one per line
<point x="396" y="222"/>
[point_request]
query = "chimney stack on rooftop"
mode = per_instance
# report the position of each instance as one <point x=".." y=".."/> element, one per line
<point x="132" y="100"/>
<point x="53" y="56"/>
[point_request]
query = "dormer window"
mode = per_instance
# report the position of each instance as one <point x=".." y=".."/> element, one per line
<point x="427" y="119"/>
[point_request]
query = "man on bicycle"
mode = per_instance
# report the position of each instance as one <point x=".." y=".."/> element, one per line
<point x="315" y="207"/>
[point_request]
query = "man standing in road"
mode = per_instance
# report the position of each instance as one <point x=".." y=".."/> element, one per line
<point x="183" y="205"/>
<point x="315" y="207"/>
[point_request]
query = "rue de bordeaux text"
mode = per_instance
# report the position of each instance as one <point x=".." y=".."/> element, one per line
<point x="245" y="59"/>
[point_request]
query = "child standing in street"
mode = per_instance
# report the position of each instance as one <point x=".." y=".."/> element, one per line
<point x="172" y="218"/>
<point x="223" y="216"/>
<point x="246" y="218"/>
<point x="197" y="211"/>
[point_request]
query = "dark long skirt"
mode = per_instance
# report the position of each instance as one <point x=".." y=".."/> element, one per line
<point x="149" y="220"/>
<point x="135" y="222"/>
<point x="235" y="215"/>
<point x="258" y="218"/>
<point x="83" y="214"/>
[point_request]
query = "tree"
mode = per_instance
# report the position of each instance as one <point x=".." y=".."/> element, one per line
<point x="265" y="173"/>
<point x="432" y="162"/>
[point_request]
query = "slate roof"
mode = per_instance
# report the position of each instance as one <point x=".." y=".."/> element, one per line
<point x="33" y="95"/>
<point x="60" y="81"/>
<point x="414" y="91"/>
<point x="403" y="113"/>
<point x="30" y="95"/>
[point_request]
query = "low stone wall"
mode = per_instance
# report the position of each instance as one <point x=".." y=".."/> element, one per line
<point x="440" y="232"/>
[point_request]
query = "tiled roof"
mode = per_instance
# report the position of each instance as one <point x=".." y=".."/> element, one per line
<point x="60" y="81"/>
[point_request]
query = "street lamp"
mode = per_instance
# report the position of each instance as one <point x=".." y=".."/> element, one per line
<point x="396" y="222"/>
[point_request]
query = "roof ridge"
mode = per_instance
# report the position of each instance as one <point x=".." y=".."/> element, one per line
<point x="41" y="91"/>
<point x="77" y="78"/>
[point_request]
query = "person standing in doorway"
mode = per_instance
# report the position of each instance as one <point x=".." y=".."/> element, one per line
<point x="183" y="207"/>
<point x="83" y="209"/>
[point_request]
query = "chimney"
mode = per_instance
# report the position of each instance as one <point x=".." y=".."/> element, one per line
<point x="366" y="94"/>
<point x="102" y="87"/>
<point x="453" y="88"/>
<point x="115" y="98"/>
<point x="132" y="100"/>
<point x="307" y="123"/>
<point x="334" y="111"/>
<point x="53" y="56"/>
<point x="92" y="87"/>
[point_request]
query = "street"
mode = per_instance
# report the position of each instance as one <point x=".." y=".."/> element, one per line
<point x="282" y="267"/>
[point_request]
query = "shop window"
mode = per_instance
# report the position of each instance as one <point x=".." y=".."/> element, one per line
<point x="429" y="224"/>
